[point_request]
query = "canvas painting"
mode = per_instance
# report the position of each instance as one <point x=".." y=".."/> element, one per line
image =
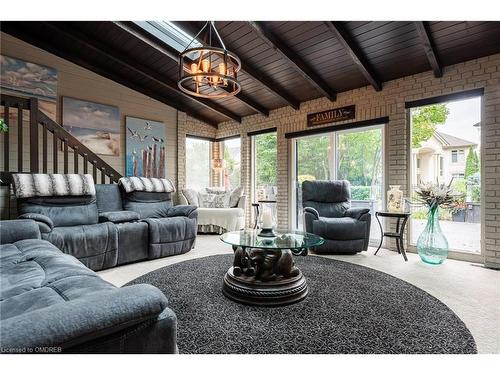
<point x="145" y="148"/>
<point x="95" y="125"/>
<point x="23" y="78"/>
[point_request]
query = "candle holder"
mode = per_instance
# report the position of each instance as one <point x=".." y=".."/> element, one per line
<point x="266" y="232"/>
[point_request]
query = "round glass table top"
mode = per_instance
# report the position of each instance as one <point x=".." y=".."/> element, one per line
<point x="283" y="240"/>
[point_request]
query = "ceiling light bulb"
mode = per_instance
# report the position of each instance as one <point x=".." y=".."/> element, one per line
<point x="205" y="65"/>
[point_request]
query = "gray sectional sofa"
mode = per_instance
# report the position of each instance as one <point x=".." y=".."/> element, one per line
<point x="113" y="227"/>
<point x="51" y="303"/>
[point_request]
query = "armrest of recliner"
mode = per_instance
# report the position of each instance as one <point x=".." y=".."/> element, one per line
<point x="118" y="216"/>
<point x="45" y="223"/>
<point x="311" y="211"/>
<point x="182" y="210"/>
<point x="310" y="214"/>
<point x="358" y="213"/>
<point x="16" y="230"/>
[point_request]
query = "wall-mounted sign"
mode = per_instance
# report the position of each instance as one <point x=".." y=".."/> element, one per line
<point x="332" y="115"/>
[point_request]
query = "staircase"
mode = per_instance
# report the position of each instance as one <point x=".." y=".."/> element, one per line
<point x="37" y="144"/>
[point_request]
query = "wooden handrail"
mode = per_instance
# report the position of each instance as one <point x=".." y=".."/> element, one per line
<point x="68" y="139"/>
<point x="60" y="136"/>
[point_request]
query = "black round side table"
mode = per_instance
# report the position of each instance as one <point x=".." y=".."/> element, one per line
<point x="400" y="229"/>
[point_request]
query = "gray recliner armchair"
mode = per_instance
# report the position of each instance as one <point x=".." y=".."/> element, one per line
<point x="328" y="213"/>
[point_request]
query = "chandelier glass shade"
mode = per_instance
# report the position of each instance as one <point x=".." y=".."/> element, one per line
<point x="209" y="71"/>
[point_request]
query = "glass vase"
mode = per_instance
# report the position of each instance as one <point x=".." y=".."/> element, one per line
<point x="432" y="245"/>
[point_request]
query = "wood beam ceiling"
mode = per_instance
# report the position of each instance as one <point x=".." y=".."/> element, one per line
<point x="173" y="54"/>
<point x="355" y="52"/>
<point x="293" y="59"/>
<point x="22" y="31"/>
<point x="121" y="59"/>
<point x="429" y="47"/>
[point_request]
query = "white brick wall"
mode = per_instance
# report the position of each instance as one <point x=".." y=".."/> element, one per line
<point x="483" y="72"/>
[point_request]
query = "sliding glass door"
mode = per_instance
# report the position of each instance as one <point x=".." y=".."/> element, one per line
<point x="354" y="155"/>
<point x="265" y="170"/>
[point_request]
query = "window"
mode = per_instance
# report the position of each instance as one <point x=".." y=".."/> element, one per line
<point x="169" y="33"/>
<point x="265" y="170"/>
<point x="418" y="162"/>
<point x="446" y="159"/>
<point x="355" y="155"/>
<point x="232" y="156"/>
<point x="457" y="156"/>
<point x="198" y="163"/>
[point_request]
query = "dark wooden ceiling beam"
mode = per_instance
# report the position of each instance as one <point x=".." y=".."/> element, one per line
<point x="172" y="53"/>
<point x="22" y="31"/>
<point x="127" y="61"/>
<point x="252" y="71"/>
<point x="294" y="60"/>
<point x="429" y="47"/>
<point x="355" y="52"/>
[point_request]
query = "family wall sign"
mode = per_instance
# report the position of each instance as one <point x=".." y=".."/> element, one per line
<point x="331" y="115"/>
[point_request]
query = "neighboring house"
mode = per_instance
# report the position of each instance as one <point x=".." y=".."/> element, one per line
<point x="441" y="157"/>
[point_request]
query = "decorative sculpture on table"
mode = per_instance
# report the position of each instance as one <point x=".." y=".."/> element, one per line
<point x="395" y="199"/>
<point x="263" y="264"/>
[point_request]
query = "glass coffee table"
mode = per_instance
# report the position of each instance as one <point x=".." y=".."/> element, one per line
<point x="263" y="271"/>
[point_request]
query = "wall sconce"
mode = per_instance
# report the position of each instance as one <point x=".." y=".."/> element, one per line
<point x="218" y="164"/>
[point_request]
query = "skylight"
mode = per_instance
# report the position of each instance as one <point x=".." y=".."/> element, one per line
<point x="169" y="33"/>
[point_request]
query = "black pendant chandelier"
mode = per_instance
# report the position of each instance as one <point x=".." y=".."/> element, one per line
<point x="209" y="71"/>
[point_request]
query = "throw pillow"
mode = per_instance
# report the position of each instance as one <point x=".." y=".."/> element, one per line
<point x="191" y="197"/>
<point x="235" y="196"/>
<point x="214" y="200"/>
<point x="215" y="190"/>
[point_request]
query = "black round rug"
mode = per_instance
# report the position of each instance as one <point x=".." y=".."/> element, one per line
<point x="349" y="309"/>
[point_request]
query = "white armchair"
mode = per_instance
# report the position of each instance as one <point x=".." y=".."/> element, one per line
<point x="216" y="220"/>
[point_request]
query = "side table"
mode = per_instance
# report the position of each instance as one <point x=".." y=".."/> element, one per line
<point x="400" y="229"/>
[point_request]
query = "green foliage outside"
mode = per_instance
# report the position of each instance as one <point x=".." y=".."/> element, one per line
<point x="305" y="177"/>
<point x="313" y="155"/>
<point x="360" y="193"/>
<point x="3" y="126"/>
<point x="472" y="163"/>
<point x="425" y="121"/>
<point x="266" y="163"/>
<point x="360" y="158"/>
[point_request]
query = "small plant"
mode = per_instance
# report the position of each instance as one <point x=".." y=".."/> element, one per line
<point x="3" y="126"/>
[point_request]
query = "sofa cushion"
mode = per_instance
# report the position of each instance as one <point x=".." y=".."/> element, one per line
<point x="118" y="216"/>
<point x="236" y="194"/>
<point x="48" y="298"/>
<point x="217" y="200"/>
<point x="95" y="245"/>
<point x="148" y="209"/>
<point x="191" y="196"/>
<point x="340" y="229"/>
<point x="326" y="191"/>
<point x="109" y="197"/>
<point x="227" y="218"/>
<point x="63" y="214"/>
<point x="170" y="229"/>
